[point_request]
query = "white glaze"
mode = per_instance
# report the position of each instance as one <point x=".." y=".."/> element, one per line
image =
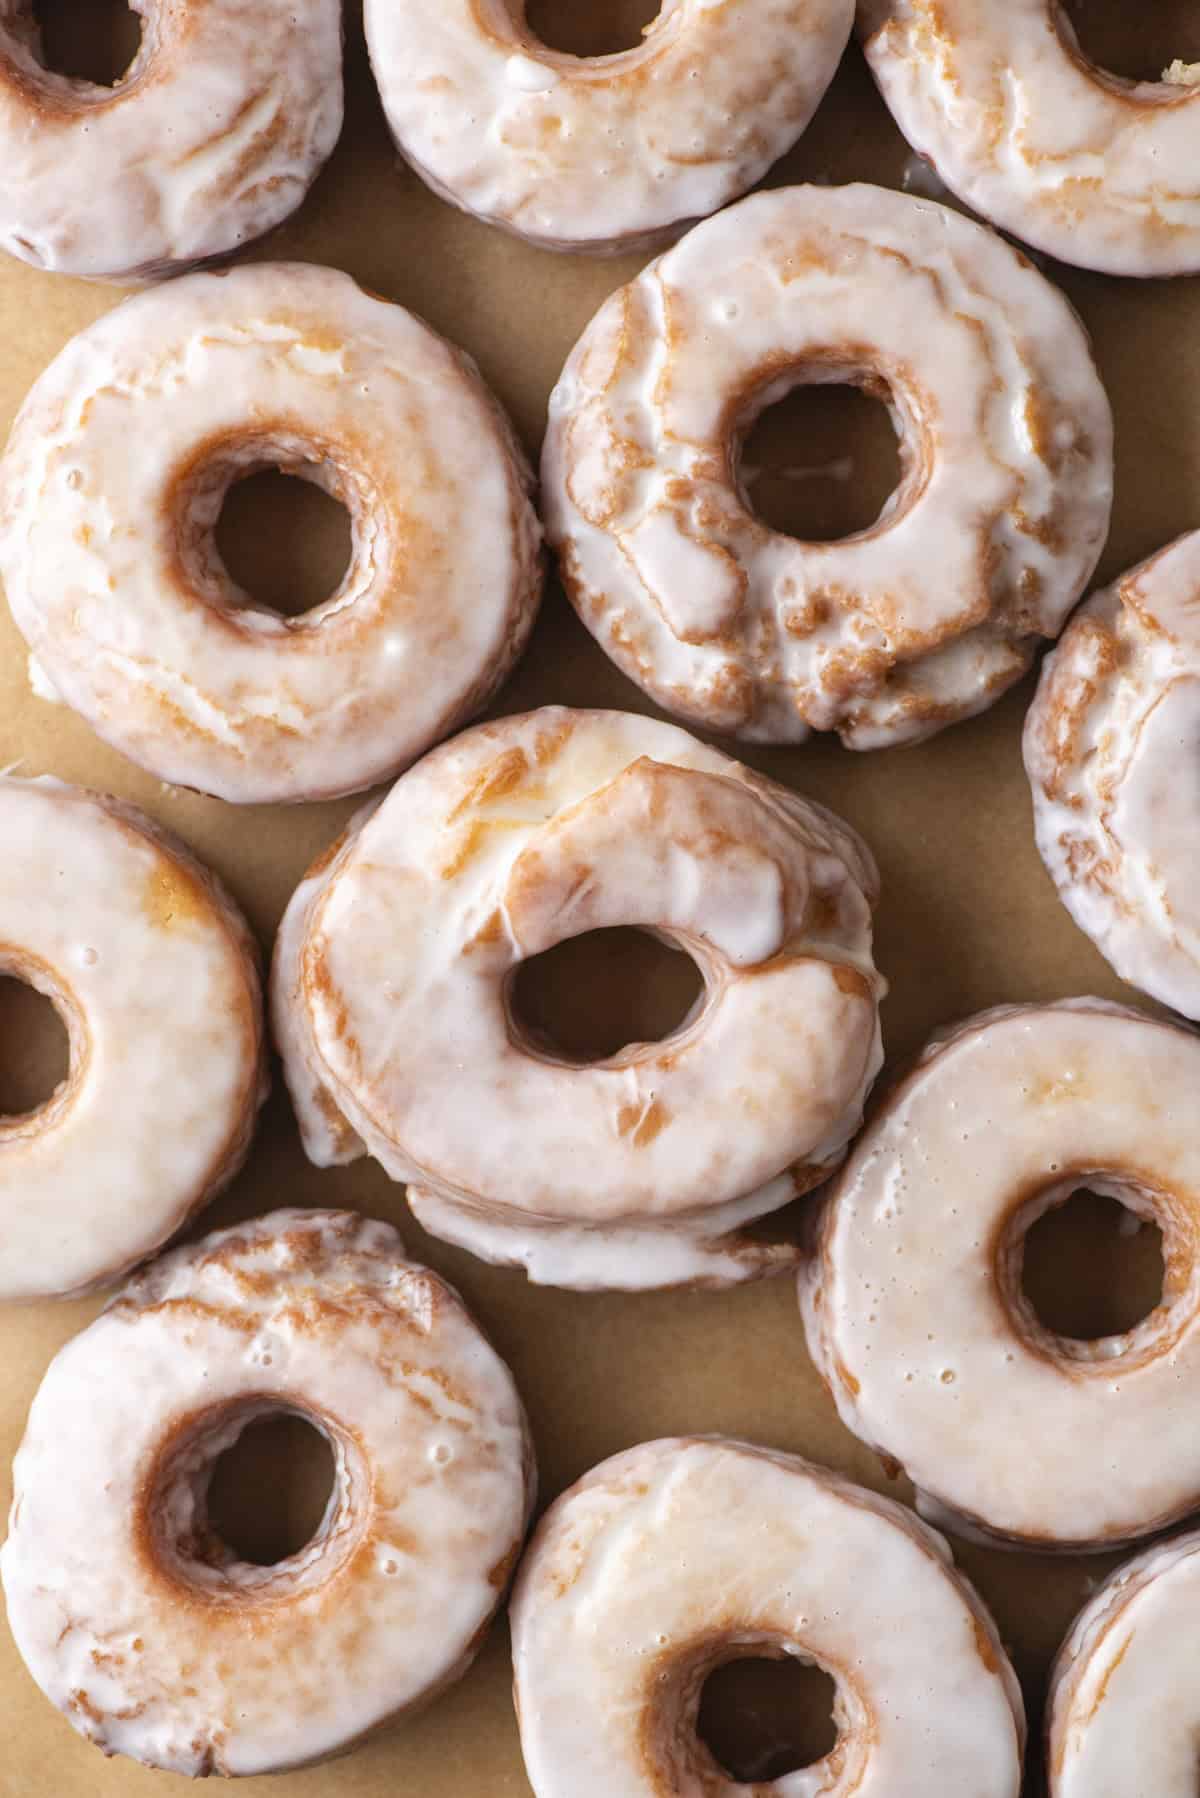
<point x="678" y="1555"/>
<point x="212" y="137"/>
<point x="1089" y="167"/>
<point x="154" y="972"/>
<point x="146" y="1632"/>
<point x="912" y="1304"/>
<point x="113" y="575"/>
<point x="604" y="153"/>
<point x="1124" y="1704"/>
<point x="1112" y="749"/>
<point x="1005" y="440"/>
<point x="392" y="967"/>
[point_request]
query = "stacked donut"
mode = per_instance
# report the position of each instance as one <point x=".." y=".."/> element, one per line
<point x="733" y="1148"/>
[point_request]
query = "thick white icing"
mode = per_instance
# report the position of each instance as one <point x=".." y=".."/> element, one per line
<point x="1005" y="439"/>
<point x="605" y="153"/>
<point x="1112" y="748"/>
<point x="912" y="1303"/>
<point x="143" y="1629"/>
<point x="1091" y="168"/>
<point x="1123" y="1701"/>
<point x="113" y="575"/>
<point x="677" y="1555"/>
<point x="154" y="973"/>
<point x="212" y="137"/>
<point x="392" y="969"/>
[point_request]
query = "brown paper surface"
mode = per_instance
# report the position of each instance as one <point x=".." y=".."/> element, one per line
<point x="968" y="917"/>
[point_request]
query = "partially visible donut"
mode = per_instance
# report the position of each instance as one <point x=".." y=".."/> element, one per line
<point x="155" y="975"/>
<point x="675" y="1557"/>
<point x="114" y="576"/>
<point x="1005" y="438"/>
<point x="212" y="136"/>
<point x="132" y="1615"/>
<point x="608" y="153"/>
<point x="391" y="999"/>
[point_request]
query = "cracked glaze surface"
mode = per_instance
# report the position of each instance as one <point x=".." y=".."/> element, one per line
<point x="1112" y="749"/>
<point x="1005" y="438"/>
<point x="211" y="138"/>
<point x="152" y="969"/>
<point x="603" y="153"/>
<point x="140" y="1624"/>
<point x="394" y="961"/>
<point x="913" y="1304"/>
<point x="113" y="575"/>
<point x="679" y="1555"/>
<point x="1089" y="167"/>
<point x="1123" y="1704"/>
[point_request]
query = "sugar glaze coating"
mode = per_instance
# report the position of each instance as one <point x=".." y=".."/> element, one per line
<point x="140" y="1624"/>
<point x="390" y="999"/>
<point x="153" y="970"/>
<point x="676" y="1556"/>
<point x="1005" y="437"/>
<point x="113" y="574"/>
<point x="212" y="136"/>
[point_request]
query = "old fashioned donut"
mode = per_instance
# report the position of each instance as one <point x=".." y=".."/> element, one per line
<point x="1123" y="1702"/>
<point x="212" y="136"/>
<point x="140" y="1624"/>
<point x="1024" y="127"/>
<point x="913" y="1302"/>
<point x="601" y="153"/>
<point x="114" y="577"/>
<point x="155" y="976"/>
<point x="1005" y="439"/>
<point x="675" y="1557"/>
<point x="1111" y="747"/>
<point x="391" y="999"/>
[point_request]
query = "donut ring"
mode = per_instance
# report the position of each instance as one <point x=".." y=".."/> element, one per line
<point x="601" y="154"/>
<point x="124" y="1152"/>
<point x="213" y="135"/>
<point x="114" y="577"/>
<point x="140" y="1624"/>
<point x="1110" y="743"/>
<point x="390" y="999"/>
<point x="1122" y="1710"/>
<point x="1022" y="125"/>
<point x="670" y="1559"/>
<point x="913" y="1303"/>
<point x="1005" y="441"/>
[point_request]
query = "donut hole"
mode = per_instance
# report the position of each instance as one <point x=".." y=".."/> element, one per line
<point x="35" y="1049"/>
<point x="97" y="42"/>
<point x="592" y="996"/>
<point x="284" y="540"/>
<point x="823" y="462"/>
<point x="764" y="1717"/>
<point x="1092" y="1267"/>
<point x="1134" y="43"/>
<point x="601" y="28"/>
<point x="270" y="1490"/>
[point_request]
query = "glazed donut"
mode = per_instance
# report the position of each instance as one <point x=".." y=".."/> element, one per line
<point x="1110" y="746"/>
<point x="606" y="153"/>
<point x="1005" y="440"/>
<point x="152" y="971"/>
<point x="394" y="963"/>
<point x="1122" y="1712"/>
<point x="1023" y="126"/>
<point x="676" y="1557"/>
<point x="132" y="1615"/>
<point x="913" y="1302"/>
<point x="113" y="573"/>
<point x="213" y="135"/>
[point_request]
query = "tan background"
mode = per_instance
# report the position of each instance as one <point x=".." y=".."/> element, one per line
<point x="968" y="917"/>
